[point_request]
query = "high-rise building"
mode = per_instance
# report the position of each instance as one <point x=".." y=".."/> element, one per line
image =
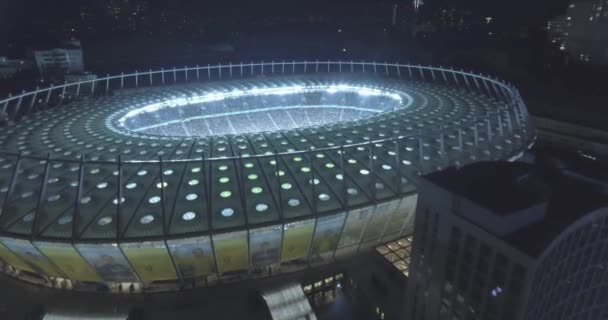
<point x="454" y="19"/>
<point x="583" y="31"/>
<point x="500" y="240"/>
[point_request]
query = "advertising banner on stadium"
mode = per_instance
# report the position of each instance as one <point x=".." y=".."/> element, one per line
<point x="296" y="240"/>
<point x="193" y="257"/>
<point x="326" y="236"/>
<point x="150" y="260"/>
<point x="66" y="258"/>
<point x="354" y="226"/>
<point x="377" y="224"/>
<point x="401" y="218"/>
<point x="231" y="251"/>
<point x="7" y="256"/>
<point x="108" y="261"/>
<point x="29" y="254"/>
<point x="265" y="245"/>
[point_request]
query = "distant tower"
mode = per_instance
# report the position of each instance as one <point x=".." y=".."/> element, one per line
<point x="417" y="4"/>
<point x="394" y="19"/>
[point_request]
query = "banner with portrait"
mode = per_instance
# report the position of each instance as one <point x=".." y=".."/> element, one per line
<point x="265" y="245"/>
<point x="8" y="257"/>
<point x="150" y="260"/>
<point x="327" y="234"/>
<point x="296" y="240"/>
<point x="108" y="261"/>
<point x="32" y="256"/>
<point x="193" y="256"/>
<point x="65" y="257"/>
<point x="354" y="226"/>
<point x="402" y="218"/>
<point x="378" y="222"/>
<point x="231" y="251"/>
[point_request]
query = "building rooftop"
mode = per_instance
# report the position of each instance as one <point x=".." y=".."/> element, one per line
<point x="579" y="186"/>
<point x="565" y="185"/>
<point x="501" y="187"/>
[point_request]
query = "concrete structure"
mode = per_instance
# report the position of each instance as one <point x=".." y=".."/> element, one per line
<point x="60" y="60"/>
<point x="509" y="241"/>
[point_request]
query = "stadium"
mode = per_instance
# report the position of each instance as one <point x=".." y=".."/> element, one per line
<point x="215" y="174"/>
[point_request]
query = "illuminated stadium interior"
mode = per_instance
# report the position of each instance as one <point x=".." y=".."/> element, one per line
<point x="248" y="109"/>
<point x="215" y="173"/>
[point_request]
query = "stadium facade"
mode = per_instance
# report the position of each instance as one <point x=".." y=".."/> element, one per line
<point x="220" y="173"/>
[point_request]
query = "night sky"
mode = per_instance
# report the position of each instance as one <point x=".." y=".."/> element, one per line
<point x="26" y="15"/>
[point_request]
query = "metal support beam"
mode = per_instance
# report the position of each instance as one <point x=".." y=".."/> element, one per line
<point x="122" y="80"/>
<point x="489" y="127"/>
<point x="420" y="146"/>
<point x="5" y="105"/>
<point x="107" y="84"/>
<point x="174" y="75"/>
<point x="500" y="129"/>
<point x="186" y="73"/>
<point x="77" y="89"/>
<point x="136" y="79"/>
<point x="460" y="144"/>
<point x="441" y="141"/>
<point x="162" y="75"/>
<point x="19" y="102"/>
<point x="41" y="195"/>
<point x="466" y="80"/>
<point x="398" y="70"/>
<point x="62" y="94"/>
<point x="12" y="183"/>
<point x="371" y="170"/>
<point x="119" y="198"/>
<point x="485" y="84"/>
<point x="150" y="77"/>
<point x="398" y="166"/>
<point x="198" y="73"/>
<point x="343" y="172"/>
<point x="455" y="77"/>
<point x="79" y="192"/>
<point x="48" y="96"/>
<point x="509" y="122"/>
<point x="476" y="84"/>
<point x="421" y="72"/>
<point x="475" y="133"/>
<point x="33" y="100"/>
